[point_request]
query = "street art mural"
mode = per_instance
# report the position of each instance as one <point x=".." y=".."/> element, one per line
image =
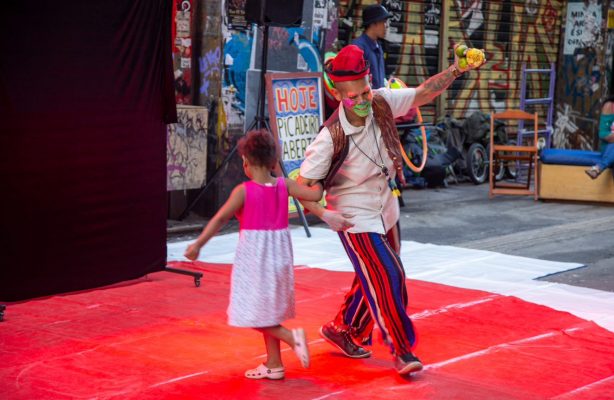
<point x="309" y="53"/>
<point x="231" y="52"/>
<point x="291" y="49"/>
<point x="583" y="70"/>
<point x="186" y="149"/>
<point x="511" y="33"/>
<point x="609" y="55"/>
<point x="208" y="61"/>
<point x="209" y="65"/>
<point x="237" y="52"/>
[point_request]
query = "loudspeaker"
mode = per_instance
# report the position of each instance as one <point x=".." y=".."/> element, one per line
<point x="276" y="12"/>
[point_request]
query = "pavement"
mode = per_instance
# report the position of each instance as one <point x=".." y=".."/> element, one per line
<point x="462" y="215"/>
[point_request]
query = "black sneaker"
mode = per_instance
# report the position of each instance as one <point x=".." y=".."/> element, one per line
<point x="407" y="363"/>
<point x="343" y="341"/>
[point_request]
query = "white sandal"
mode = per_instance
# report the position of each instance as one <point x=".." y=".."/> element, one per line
<point x="300" y="346"/>
<point x="262" y="372"/>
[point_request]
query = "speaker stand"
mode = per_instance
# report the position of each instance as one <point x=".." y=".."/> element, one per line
<point x="261" y="122"/>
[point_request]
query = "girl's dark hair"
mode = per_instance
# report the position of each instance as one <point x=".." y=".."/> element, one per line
<point x="609" y="99"/>
<point x="259" y="148"/>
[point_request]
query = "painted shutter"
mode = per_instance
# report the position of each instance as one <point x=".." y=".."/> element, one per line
<point x="511" y="33"/>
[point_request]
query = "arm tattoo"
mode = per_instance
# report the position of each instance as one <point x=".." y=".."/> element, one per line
<point x="435" y="85"/>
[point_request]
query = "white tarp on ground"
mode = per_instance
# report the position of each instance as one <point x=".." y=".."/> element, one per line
<point x="455" y="266"/>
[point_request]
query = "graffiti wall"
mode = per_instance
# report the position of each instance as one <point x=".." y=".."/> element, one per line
<point x="228" y="71"/>
<point x="512" y="32"/>
<point x="230" y="46"/>
<point x="583" y="72"/>
<point x="291" y="49"/>
<point x="186" y="149"/>
<point x="182" y="32"/>
<point x="412" y="41"/>
<point x="208" y="60"/>
<point x="608" y="78"/>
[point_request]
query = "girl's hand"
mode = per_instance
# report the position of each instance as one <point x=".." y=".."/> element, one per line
<point x="192" y="252"/>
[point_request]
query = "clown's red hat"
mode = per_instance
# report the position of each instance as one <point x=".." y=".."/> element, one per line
<point x="348" y="65"/>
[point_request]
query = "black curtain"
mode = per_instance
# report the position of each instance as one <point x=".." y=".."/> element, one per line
<point x="85" y="92"/>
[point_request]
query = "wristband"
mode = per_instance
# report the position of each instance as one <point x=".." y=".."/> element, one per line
<point x="456" y="72"/>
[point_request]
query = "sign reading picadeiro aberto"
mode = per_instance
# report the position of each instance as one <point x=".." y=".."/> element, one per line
<point x="296" y="114"/>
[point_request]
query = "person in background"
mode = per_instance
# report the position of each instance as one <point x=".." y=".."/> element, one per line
<point x="375" y="22"/>
<point x="606" y="136"/>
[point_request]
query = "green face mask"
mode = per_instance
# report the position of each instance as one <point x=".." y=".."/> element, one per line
<point x="362" y="109"/>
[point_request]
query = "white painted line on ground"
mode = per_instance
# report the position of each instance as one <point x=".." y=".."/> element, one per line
<point x="179" y="379"/>
<point x="495" y="348"/>
<point x="326" y="396"/>
<point x="455" y="306"/>
<point x="582" y="389"/>
<point x="455" y="266"/>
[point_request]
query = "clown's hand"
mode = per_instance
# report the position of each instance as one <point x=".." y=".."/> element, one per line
<point x="337" y="221"/>
<point x="466" y="59"/>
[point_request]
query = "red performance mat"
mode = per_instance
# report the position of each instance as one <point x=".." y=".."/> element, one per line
<point x="160" y="337"/>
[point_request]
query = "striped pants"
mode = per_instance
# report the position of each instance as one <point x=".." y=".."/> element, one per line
<point x="377" y="293"/>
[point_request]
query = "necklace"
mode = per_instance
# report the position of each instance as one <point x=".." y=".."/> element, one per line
<point x="391" y="182"/>
<point x="382" y="166"/>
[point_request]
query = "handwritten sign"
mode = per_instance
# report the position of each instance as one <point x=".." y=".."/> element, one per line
<point x="296" y="114"/>
<point x="583" y="26"/>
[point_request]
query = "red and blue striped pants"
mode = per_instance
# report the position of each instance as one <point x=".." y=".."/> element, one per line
<point x="378" y="293"/>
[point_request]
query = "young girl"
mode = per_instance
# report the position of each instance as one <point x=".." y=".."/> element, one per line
<point x="262" y="284"/>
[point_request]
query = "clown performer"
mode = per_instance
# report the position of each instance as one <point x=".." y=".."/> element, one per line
<point x="356" y="157"/>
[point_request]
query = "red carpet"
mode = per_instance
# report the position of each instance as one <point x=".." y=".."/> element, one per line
<point x="161" y="338"/>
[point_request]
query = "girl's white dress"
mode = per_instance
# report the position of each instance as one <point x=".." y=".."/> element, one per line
<point x="262" y="280"/>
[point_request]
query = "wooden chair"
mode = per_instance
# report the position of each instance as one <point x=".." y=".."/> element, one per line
<point x="521" y="155"/>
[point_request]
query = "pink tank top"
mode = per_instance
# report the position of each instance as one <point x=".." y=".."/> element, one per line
<point x="265" y="207"/>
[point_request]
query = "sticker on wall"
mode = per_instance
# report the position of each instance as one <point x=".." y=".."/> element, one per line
<point x="182" y="51"/>
<point x="235" y="14"/>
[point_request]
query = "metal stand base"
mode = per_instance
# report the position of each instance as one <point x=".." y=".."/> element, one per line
<point x="196" y="275"/>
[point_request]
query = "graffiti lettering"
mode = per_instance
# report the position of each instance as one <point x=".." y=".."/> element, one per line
<point x="472" y="16"/>
<point x="568" y="133"/>
<point x="532" y="7"/>
<point x="209" y="66"/>
<point x="186" y="150"/>
<point x="511" y="35"/>
<point x="432" y="13"/>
